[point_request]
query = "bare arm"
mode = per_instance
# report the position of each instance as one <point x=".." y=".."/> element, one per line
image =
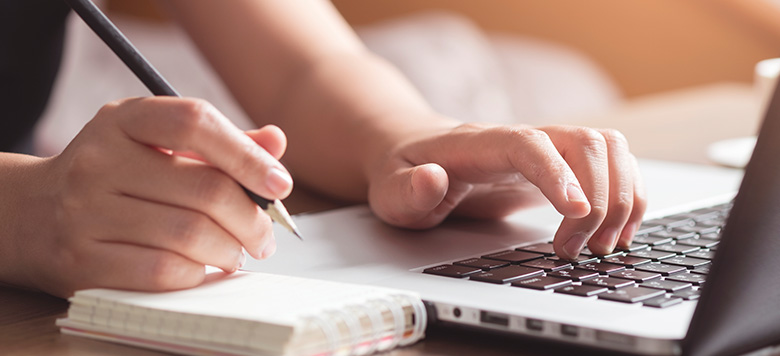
<point x="359" y="131"/>
<point x="297" y="64"/>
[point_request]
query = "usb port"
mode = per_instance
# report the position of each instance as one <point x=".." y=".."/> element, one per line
<point x="534" y="324"/>
<point x="494" y="318"/>
<point x="569" y="330"/>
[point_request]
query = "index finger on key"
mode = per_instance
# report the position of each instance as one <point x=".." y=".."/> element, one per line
<point x="479" y="154"/>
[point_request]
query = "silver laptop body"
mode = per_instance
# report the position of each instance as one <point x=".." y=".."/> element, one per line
<point x="739" y="308"/>
<point x="351" y="245"/>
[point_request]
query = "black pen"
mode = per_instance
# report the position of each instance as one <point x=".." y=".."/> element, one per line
<point x="110" y="34"/>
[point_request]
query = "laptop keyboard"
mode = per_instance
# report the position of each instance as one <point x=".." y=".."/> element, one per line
<point x="666" y="264"/>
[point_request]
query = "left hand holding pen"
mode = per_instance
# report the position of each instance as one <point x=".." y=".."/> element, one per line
<point x="485" y="171"/>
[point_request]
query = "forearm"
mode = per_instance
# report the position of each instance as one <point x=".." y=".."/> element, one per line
<point x="345" y="116"/>
<point x="21" y="189"/>
<point x="298" y="65"/>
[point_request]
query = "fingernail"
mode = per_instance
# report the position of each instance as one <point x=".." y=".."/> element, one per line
<point x="575" y="194"/>
<point x="608" y="239"/>
<point x="241" y="260"/>
<point x="270" y="249"/>
<point x="575" y="244"/>
<point x="278" y="182"/>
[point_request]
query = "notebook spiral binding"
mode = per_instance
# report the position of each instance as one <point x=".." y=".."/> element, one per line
<point x="356" y="345"/>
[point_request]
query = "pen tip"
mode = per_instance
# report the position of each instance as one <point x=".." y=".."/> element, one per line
<point x="298" y="233"/>
<point x="279" y="214"/>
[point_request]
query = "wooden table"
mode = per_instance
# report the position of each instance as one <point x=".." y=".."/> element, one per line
<point x="674" y="126"/>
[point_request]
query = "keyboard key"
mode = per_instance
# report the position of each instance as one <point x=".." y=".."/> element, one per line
<point x="513" y="256"/>
<point x="678" y="249"/>
<point x="609" y="282"/>
<point x="677" y="235"/>
<point x="710" y="236"/>
<point x="703" y="254"/>
<point x="669" y="286"/>
<point x="602" y="268"/>
<point x="542" y="283"/>
<point x="574" y="274"/>
<point x="582" y="291"/>
<point x="635" y="246"/>
<point x="543" y="248"/>
<point x="698" y="242"/>
<point x="627" y="261"/>
<point x="452" y="271"/>
<point x="696" y="279"/>
<point x="702" y="215"/>
<point x="661" y="268"/>
<point x="671" y="222"/>
<point x="483" y="263"/>
<point x="647" y="228"/>
<point x="652" y="254"/>
<point x="686" y="262"/>
<point x="698" y="229"/>
<point x="662" y="301"/>
<point x="506" y="274"/>
<point x="578" y="261"/>
<point x="687" y="294"/>
<point x="652" y="241"/>
<point x="636" y="276"/>
<point x="631" y="295"/>
<point x="587" y="252"/>
<point x="702" y="269"/>
<point x="547" y="265"/>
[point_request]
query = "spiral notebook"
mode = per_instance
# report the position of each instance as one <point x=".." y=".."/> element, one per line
<point x="249" y="313"/>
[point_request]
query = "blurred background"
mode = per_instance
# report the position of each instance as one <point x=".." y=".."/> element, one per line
<point x="645" y="46"/>
<point x="506" y="61"/>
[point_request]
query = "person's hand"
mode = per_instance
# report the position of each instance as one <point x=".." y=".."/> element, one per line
<point x="148" y="194"/>
<point x="484" y="171"/>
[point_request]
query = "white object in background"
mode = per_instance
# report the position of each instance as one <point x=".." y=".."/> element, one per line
<point x="766" y="79"/>
<point x="736" y="152"/>
<point x="733" y="152"/>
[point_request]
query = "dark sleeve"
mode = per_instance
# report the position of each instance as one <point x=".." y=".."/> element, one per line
<point x="31" y="41"/>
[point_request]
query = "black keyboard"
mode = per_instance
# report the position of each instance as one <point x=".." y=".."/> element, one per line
<point x="666" y="264"/>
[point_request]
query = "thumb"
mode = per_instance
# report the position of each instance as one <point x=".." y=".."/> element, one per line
<point x="411" y="197"/>
<point x="271" y="138"/>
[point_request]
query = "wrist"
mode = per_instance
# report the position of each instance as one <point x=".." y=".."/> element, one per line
<point x="23" y="216"/>
<point x="388" y="150"/>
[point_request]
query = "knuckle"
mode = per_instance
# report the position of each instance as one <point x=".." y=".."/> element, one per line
<point x="168" y="271"/>
<point x="187" y="230"/>
<point x="598" y="213"/>
<point x="110" y="107"/>
<point x="620" y="206"/>
<point x="592" y="142"/>
<point x="470" y="127"/>
<point x="528" y="134"/>
<point x="109" y="111"/>
<point x="623" y="201"/>
<point x="640" y="202"/>
<point x="591" y="137"/>
<point x="86" y="159"/>
<point x="191" y="116"/>
<point x="214" y="188"/>
<point x="614" y="137"/>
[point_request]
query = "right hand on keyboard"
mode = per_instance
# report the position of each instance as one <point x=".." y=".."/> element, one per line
<point x="491" y="171"/>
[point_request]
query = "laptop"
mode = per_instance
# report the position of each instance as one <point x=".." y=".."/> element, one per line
<point x="702" y="277"/>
